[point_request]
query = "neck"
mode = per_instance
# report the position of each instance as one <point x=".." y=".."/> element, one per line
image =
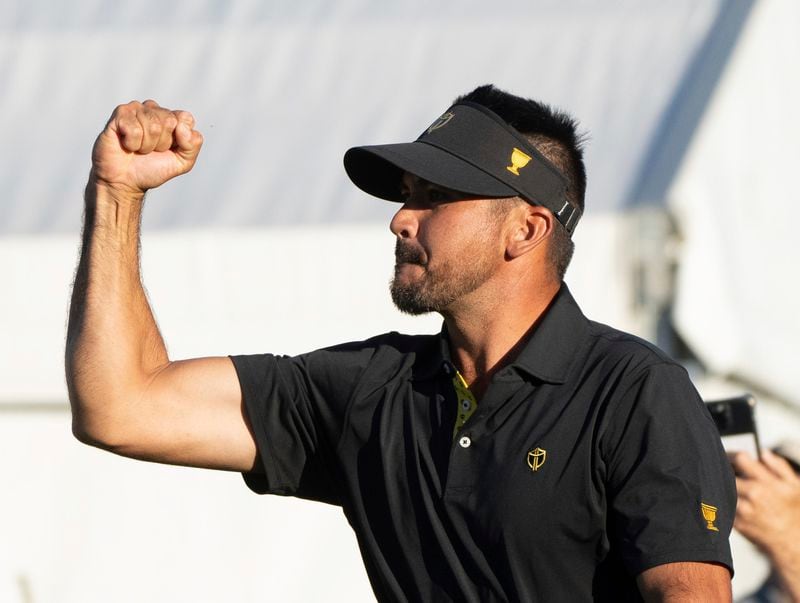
<point x="486" y="337"/>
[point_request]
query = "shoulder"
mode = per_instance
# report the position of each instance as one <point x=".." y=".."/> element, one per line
<point x="399" y="343"/>
<point x="334" y="375"/>
<point x="641" y="388"/>
<point x="379" y="357"/>
<point x="633" y="377"/>
<point x="618" y="345"/>
<point x="627" y="359"/>
<point x="387" y="346"/>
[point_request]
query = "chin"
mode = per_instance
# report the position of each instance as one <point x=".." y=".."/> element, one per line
<point x="409" y="275"/>
<point x="407" y="297"/>
<point x="410" y="307"/>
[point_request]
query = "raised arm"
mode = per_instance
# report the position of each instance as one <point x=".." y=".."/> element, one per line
<point x="126" y="394"/>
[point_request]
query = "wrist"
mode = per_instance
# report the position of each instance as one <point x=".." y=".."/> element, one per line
<point x="114" y="192"/>
<point x="112" y="210"/>
<point x="784" y="552"/>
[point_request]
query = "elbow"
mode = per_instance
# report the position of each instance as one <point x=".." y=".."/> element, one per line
<point x="90" y="433"/>
<point x="111" y="414"/>
<point x="99" y="414"/>
<point x="94" y="428"/>
<point x="82" y="425"/>
<point x="82" y="432"/>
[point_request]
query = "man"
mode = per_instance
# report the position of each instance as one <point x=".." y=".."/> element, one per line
<point x="525" y="453"/>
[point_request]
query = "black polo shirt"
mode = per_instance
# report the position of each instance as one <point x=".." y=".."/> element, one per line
<point x="589" y="459"/>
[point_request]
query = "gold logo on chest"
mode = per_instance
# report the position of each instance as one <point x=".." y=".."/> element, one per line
<point x="536" y="458"/>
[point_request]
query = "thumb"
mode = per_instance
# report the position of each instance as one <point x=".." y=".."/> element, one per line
<point x="778" y="465"/>
<point x="187" y="142"/>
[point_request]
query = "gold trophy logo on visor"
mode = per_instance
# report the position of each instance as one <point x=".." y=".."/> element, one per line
<point x="518" y="161"/>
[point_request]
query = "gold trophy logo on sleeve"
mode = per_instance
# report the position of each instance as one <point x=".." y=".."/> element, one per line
<point x="710" y="515"/>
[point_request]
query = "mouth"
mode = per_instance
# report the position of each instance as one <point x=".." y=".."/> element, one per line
<point x="405" y="254"/>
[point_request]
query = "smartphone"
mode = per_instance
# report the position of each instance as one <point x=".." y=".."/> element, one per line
<point x="736" y="422"/>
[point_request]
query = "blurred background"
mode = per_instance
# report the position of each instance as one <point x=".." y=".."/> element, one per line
<point x="689" y="238"/>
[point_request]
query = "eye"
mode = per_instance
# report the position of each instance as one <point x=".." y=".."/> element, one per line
<point x="437" y="195"/>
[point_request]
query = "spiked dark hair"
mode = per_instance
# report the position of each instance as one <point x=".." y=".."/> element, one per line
<point x="555" y="134"/>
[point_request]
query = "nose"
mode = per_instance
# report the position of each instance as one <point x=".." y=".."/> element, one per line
<point x="404" y="224"/>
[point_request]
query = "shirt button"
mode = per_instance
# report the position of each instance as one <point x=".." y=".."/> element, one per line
<point x="465" y="442"/>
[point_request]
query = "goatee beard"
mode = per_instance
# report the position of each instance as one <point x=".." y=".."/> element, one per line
<point x="409" y="298"/>
<point x="441" y="284"/>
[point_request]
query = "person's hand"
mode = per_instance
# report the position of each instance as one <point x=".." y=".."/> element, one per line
<point x="768" y="509"/>
<point x="142" y="146"/>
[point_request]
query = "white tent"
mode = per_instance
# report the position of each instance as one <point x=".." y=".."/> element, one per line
<point x="737" y="206"/>
<point x="266" y="246"/>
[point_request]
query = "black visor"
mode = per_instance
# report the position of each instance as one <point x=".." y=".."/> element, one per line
<point x="471" y="150"/>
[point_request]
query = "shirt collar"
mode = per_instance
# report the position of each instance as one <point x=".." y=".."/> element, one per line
<point x="550" y="351"/>
<point x="433" y="359"/>
<point x="547" y="355"/>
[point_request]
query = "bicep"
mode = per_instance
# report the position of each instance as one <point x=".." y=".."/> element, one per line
<point x="191" y="413"/>
<point x="685" y="582"/>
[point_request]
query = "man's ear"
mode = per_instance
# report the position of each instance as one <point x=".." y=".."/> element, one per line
<point x="532" y="224"/>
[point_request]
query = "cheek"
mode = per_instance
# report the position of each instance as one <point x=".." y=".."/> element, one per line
<point x="459" y="236"/>
<point x="475" y="239"/>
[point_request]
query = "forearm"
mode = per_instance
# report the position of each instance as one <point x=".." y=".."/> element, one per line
<point x="113" y="343"/>
<point x="786" y="565"/>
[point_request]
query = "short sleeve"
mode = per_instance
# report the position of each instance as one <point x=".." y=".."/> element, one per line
<point x="294" y="446"/>
<point x="671" y="491"/>
<point x="296" y="407"/>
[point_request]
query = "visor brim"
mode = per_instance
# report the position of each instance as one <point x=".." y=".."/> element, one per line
<point x="378" y="170"/>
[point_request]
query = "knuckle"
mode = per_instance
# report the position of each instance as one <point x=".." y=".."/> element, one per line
<point x="185" y="117"/>
<point x="132" y="131"/>
<point x="124" y="109"/>
<point x="154" y="127"/>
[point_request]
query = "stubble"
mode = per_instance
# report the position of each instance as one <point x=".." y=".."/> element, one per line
<point x="442" y="284"/>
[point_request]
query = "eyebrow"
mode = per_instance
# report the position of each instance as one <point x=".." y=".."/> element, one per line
<point x="418" y="183"/>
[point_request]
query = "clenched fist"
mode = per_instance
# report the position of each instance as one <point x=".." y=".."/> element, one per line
<point x="143" y="145"/>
